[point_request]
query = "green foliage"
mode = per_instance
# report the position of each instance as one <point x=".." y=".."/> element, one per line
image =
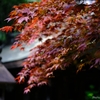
<point x="6" y="7"/>
<point x="92" y="93"/>
<point x="2" y="36"/>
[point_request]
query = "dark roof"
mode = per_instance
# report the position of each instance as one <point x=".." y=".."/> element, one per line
<point x="9" y="55"/>
<point x="5" y="75"/>
<point x="14" y="64"/>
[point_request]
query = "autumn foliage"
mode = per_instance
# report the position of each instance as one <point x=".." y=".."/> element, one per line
<point x="74" y="31"/>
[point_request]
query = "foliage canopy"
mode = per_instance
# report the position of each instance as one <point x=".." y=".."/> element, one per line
<point x="75" y="32"/>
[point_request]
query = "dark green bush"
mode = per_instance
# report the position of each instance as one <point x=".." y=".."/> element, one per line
<point x="5" y="8"/>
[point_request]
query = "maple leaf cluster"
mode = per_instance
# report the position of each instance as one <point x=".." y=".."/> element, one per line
<point x="75" y="32"/>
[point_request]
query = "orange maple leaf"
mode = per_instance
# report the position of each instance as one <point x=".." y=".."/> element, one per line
<point x="34" y="21"/>
<point x="6" y="29"/>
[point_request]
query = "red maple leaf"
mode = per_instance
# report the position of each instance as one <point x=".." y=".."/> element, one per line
<point x="6" y="29"/>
